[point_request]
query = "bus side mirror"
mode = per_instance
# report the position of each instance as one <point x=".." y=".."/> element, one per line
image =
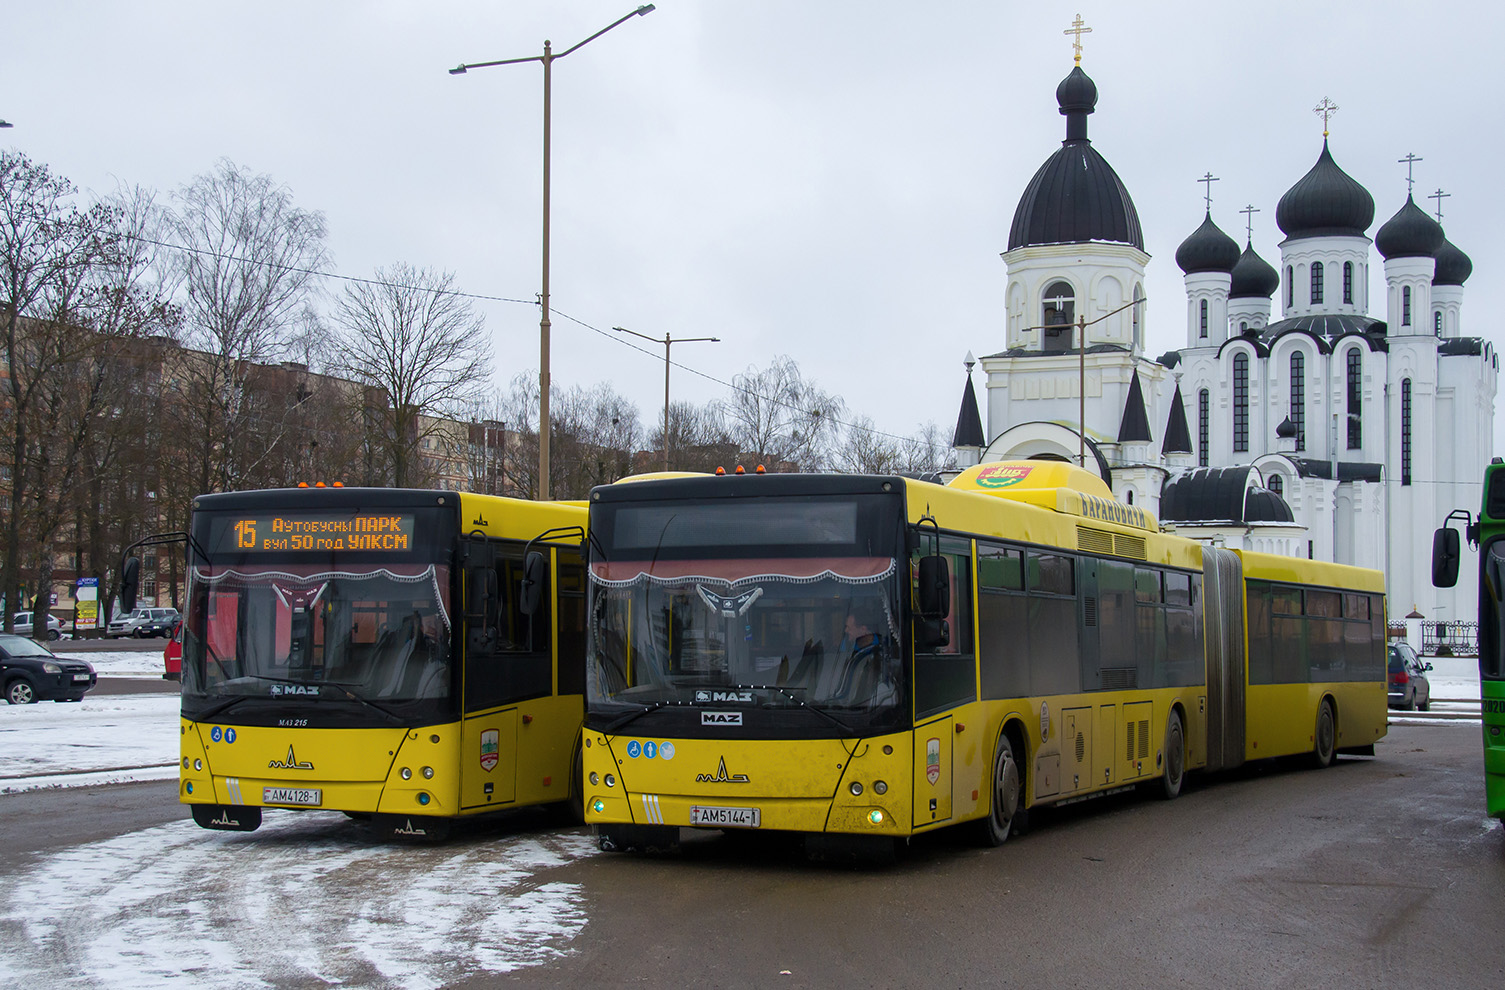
<point x="935" y="588"/>
<point x="130" y="580"/>
<point x="535" y="576"/>
<point x="1446" y="552"/>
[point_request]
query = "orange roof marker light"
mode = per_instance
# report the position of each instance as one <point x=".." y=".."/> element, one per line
<point x="761" y="470"/>
<point x="720" y="471"/>
<point x="339" y="484"/>
<point x="302" y="484"/>
<point x="740" y="469"/>
<point x="320" y="484"/>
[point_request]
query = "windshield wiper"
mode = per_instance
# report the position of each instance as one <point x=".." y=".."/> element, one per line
<point x="622" y="720"/>
<point x="369" y="704"/>
<point x="790" y="695"/>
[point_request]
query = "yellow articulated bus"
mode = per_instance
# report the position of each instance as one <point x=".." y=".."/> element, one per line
<point x="408" y="656"/>
<point x="865" y="659"/>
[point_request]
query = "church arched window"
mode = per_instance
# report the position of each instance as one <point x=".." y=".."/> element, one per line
<point x="1317" y="268"/>
<point x="1405" y="431"/>
<point x="1058" y="311"/>
<point x="1405" y="306"/>
<point x="1243" y="326"/>
<point x="1355" y="399"/>
<point x="1240" y="402"/>
<point x="1277" y="485"/>
<point x="1204" y="425"/>
<point x="1290" y="286"/>
<point x="1298" y="397"/>
<point x="1348" y="282"/>
<point x="1203" y="332"/>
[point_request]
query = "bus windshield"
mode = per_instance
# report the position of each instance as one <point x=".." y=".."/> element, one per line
<point x="377" y="635"/>
<point x="774" y="633"/>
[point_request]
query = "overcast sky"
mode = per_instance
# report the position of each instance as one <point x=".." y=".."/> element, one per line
<point x="832" y="181"/>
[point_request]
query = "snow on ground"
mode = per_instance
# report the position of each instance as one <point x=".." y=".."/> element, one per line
<point x="306" y="899"/>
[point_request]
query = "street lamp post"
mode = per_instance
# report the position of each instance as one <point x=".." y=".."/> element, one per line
<point x="1081" y="326"/>
<point x="547" y="59"/>
<point x="667" y="341"/>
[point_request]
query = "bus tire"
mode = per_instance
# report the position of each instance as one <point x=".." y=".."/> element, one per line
<point x="1325" y="738"/>
<point x="571" y="811"/>
<point x="1173" y="765"/>
<point x="1006" y="795"/>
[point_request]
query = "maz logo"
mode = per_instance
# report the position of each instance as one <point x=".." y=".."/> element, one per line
<point x="408" y="829"/>
<point x="226" y="820"/>
<point x="291" y="764"/>
<point x="721" y="777"/>
<point x="720" y="718"/>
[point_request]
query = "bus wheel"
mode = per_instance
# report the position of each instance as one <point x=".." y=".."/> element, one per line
<point x="1173" y="770"/>
<point x="1003" y="810"/>
<point x="1326" y="736"/>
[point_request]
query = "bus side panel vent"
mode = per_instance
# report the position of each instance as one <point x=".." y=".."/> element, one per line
<point x="1144" y="739"/>
<point x="1129" y="546"/>
<point x="1094" y="540"/>
<point x="1120" y="678"/>
<point x="1089" y="611"/>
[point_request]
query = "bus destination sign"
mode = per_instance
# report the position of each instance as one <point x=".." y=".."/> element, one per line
<point x="386" y="531"/>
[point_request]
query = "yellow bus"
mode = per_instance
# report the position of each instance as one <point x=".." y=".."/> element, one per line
<point x="406" y="656"/>
<point x="872" y="658"/>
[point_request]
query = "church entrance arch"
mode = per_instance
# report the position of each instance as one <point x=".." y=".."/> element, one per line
<point x="1042" y="441"/>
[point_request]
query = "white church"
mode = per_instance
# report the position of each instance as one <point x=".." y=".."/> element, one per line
<point x="1324" y="432"/>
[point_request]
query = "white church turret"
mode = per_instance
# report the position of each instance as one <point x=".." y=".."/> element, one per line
<point x="1207" y="258"/>
<point x="1453" y="269"/>
<point x="1408" y="241"/>
<point x="1324" y="260"/>
<point x="1255" y="280"/>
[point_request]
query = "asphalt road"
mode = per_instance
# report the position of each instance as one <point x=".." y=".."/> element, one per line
<point x="1377" y="872"/>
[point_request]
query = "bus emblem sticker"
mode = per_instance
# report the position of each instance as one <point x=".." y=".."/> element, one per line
<point x="490" y="748"/>
<point x="292" y="763"/>
<point x="720" y="718"/>
<point x="722" y="778"/>
<point x="634" y="748"/>
<point x="1001" y="477"/>
<point x="932" y="759"/>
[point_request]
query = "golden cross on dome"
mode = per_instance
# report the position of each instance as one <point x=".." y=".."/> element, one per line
<point x="1248" y="213"/>
<point x="1439" y="195"/>
<point x="1409" y="161"/>
<point x="1325" y="109"/>
<point x="1078" y="28"/>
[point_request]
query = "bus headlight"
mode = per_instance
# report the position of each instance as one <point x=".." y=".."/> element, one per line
<point x="880" y="787"/>
<point x="405" y="773"/>
<point x="598" y="806"/>
<point x="856" y="788"/>
<point x="875" y="816"/>
<point x="428" y="773"/>
<point x="595" y="778"/>
<point x="611" y="781"/>
<point x="198" y="764"/>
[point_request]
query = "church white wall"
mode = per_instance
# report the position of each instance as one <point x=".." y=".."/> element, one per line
<point x="1248" y="311"/>
<point x="1211" y="289"/>
<point x="1103" y="277"/>
<point x="1414" y="274"/>
<point x="1296" y="261"/>
<point x="1448" y="300"/>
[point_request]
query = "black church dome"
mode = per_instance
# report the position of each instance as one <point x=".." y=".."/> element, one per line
<point x="1075" y="196"/>
<point x="1453" y="266"/>
<point x="1327" y="201"/>
<point x="1253" y="277"/>
<point x="1208" y="249"/>
<point x="1409" y="234"/>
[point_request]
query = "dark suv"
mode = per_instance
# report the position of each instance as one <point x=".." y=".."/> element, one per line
<point x="30" y="672"/>
<point x="1409" y="688"/>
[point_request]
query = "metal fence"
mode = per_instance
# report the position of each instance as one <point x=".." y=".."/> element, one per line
<point x="1450" y="639"/>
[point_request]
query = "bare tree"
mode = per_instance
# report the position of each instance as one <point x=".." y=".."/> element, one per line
<point x="48" y="247"/>
<point x="698" y="438"/>
<point x="247" y="267"/>
<point x="409" y="336"/>
<point x="868" y="450"/>
<point x="781" y="419"/>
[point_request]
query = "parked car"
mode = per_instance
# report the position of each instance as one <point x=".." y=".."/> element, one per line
<point x="30" y="672"/>
<point x="24" y="622"/>
<point x="143" y="622"/>
<point x="172" y="654"/>
<point x="1409" y="688"/>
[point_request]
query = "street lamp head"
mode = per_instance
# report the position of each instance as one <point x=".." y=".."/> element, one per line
<point x="6" y="123"/>
<point x="646" y="8"/>
<point x="458" y="70"/>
